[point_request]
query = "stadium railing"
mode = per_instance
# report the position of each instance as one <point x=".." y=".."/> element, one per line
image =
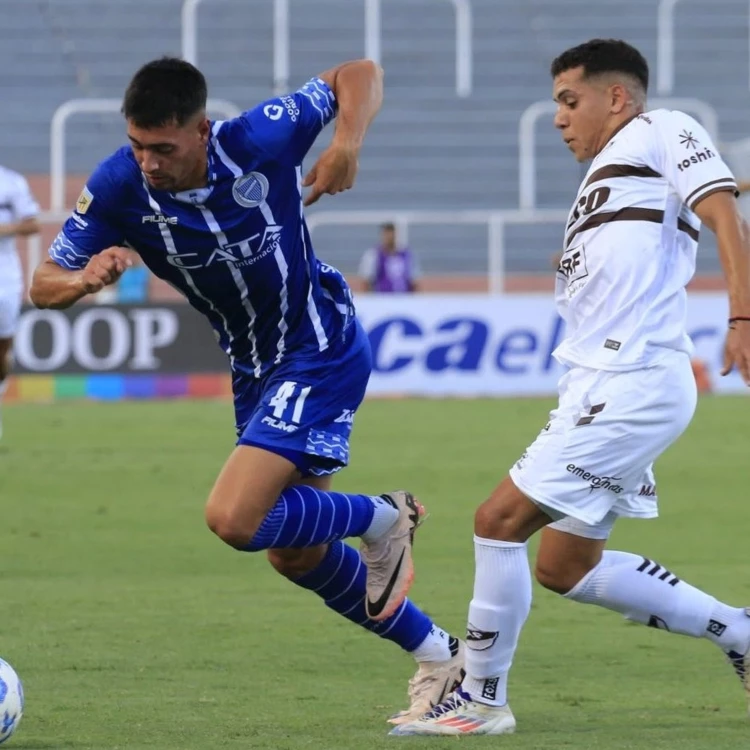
<point x="494" y="220"/>
<point x="665" y="45"/>
<point x="373" y="13"/>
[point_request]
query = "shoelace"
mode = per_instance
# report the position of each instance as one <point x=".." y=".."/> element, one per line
<point x="737" y="661"/>
<point x="453" y="702"/>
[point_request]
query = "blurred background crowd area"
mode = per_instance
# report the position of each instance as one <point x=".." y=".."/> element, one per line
<point x="463" y="160"/>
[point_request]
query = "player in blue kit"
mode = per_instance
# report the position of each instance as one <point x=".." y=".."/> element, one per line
<point x="216" y="210"/>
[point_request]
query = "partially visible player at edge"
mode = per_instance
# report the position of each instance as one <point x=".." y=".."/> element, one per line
<point x="629" y="252"/>
<point x="216" y="209"/>
<point x="18" y="218"/>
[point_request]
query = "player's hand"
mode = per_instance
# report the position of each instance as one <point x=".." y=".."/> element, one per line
<point x="737" y="350"/>
<point x="105" y="268"/>
<point x="333" y="173"/>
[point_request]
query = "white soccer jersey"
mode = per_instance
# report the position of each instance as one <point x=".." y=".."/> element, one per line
<point x="16" y="203"/>
<point x="631" y="241"/>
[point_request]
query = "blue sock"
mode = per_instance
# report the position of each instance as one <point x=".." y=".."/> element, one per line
<point x="340" y="581"/>
<point x="305" y="517"/>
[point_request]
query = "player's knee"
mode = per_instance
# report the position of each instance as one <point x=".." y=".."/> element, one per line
<point x="508" y="515"/>
<point x="294" y="563"/>
<point x="494" y="520"/>
<point x="232" y="527"/>
<point x="559" y="576"/>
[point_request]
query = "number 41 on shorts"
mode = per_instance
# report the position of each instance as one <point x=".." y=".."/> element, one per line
<point x="288" y="391"/>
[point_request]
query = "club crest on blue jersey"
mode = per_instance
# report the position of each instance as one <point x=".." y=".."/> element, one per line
<point x="251" y="189"/>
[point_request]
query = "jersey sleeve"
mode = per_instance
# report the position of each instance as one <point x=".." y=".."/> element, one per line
<point x="90" y="228"/>
<point x="285" y="128"/>
<point x="690" y="161"/>
<point x="23" y="203"/>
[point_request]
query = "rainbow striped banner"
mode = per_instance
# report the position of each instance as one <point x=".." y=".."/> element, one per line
<point x="45" y="388"/>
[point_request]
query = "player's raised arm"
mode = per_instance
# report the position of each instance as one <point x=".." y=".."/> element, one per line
<point x="358" y="87"/>
<point x="84" y="257"/>
<point x="285" y="128"/>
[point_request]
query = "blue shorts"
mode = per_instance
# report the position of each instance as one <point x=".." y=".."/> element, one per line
<point x="304" y="408"/>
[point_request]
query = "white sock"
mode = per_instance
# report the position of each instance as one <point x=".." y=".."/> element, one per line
<point x="646" y="592"/>
<point x="437" y="646"/>
<point x="501" y="604"/>
<point x="386" y="514"/>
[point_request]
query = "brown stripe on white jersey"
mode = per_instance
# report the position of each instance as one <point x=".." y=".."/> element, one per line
<point x="717" y="186"/>
<point x="612" y="171"/>
<point x="689" y="229"/>
<point x="623" y="214"/>
<point x="633" y="213"/>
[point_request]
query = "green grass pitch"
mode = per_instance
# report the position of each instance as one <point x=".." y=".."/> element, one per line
<point x="132" y="627"/>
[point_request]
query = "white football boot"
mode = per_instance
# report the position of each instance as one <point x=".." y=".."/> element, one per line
<point x="432" y="683"/>
<point x="458" y="714"/>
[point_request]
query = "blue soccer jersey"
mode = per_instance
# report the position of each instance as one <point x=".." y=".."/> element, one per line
<point x="238" y="249"/>
<point x="240" y="252"/>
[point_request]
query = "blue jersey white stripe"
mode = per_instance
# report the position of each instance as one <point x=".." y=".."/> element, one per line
<point x="66" y="253"/>
<point x="312" y="310"/>
<point x="237" y="248"/>
<point x="213" y="225"/>
<point x="321" y="97"/>
<point x="172" y="249"/>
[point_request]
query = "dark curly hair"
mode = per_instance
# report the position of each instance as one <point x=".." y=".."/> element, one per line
<point x="599" y="56"/>
<point x="168" y="90"/>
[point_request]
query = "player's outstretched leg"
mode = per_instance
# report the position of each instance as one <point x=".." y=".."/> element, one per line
<point x="252" y="507"/>
<point x="497" y="613"/>
<point x="337" y="574"/>
<point x="641" y="589"/>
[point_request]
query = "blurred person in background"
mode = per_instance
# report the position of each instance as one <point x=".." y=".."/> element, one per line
<point x="389" y="267"/>
<point x="18" y="218"/>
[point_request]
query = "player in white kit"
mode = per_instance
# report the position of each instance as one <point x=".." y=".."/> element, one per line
<point x="629" y="392"/>
<point x="18" y="218"/>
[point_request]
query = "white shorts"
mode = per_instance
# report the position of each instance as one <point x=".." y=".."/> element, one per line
<point x="10" y="308"/>
<point x="594" y="460"/>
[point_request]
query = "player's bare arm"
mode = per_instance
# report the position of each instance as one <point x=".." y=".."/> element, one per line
<point x="57" y="287"/>
<point x="358" y="87"/>
<point x="719" y="212"/>
<point x="22" y="228"/>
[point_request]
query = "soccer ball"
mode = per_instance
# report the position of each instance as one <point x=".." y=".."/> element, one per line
<point x="11" y="701"/>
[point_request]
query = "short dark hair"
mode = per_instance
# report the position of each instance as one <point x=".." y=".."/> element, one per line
<point x="168" y="90"/>
<point x="388" y="226"/>
<point x="599" y="56"/>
